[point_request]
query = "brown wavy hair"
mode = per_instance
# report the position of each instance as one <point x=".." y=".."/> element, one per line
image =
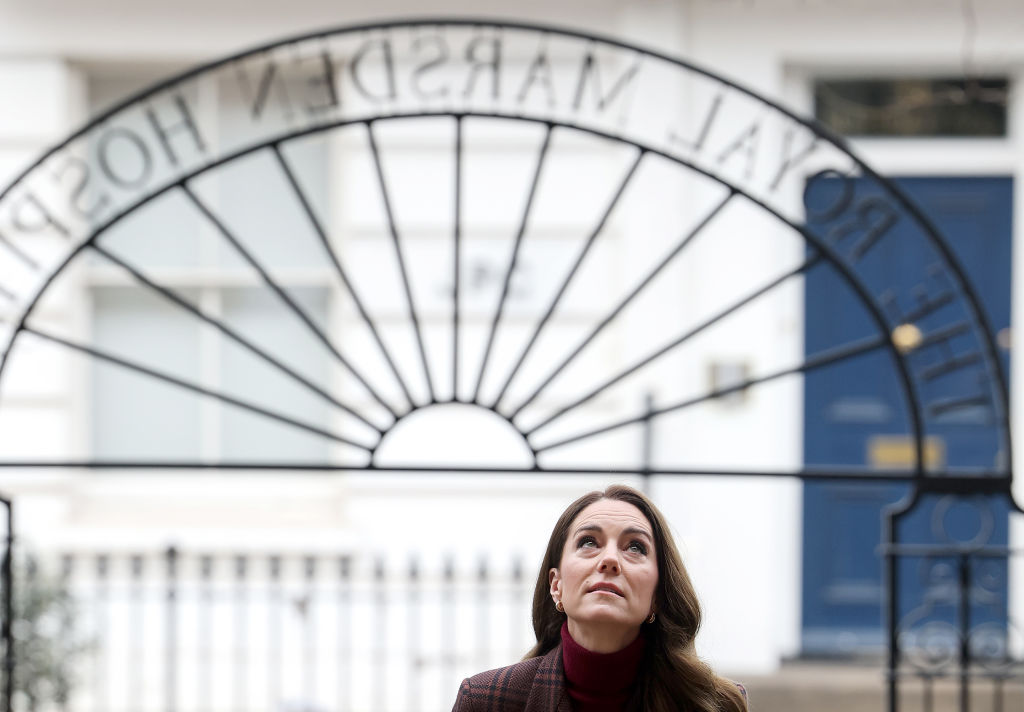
<point x="671" y="677"/>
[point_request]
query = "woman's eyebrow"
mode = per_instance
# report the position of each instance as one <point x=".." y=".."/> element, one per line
<point x="638" y="530"/>
<point x="628" y="530"/>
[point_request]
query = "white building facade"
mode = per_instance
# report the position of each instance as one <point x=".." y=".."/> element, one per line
<point x="743" y="537"/>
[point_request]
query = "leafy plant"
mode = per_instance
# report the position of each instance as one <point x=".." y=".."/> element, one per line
<point x="46" y="644"/>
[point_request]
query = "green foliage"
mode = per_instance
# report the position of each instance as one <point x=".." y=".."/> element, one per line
<point x="46" y="644"/>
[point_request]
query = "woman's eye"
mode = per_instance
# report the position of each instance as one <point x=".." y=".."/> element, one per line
<point x="586" y="541"/>
<point x="637" y="548"/>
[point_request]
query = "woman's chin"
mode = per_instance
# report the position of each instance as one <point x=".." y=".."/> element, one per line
<point x="605" y="614"/>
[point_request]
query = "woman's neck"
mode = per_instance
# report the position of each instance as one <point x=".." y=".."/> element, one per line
<point x="599" y="638"/>
<point x="600" y="682"/>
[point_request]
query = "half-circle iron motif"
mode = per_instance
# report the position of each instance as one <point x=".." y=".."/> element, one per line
<point x="641" y="134"/>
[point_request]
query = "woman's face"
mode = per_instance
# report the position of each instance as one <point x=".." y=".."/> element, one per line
<point x="607" y="575"/>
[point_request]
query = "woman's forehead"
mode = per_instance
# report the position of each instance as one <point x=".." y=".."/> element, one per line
<point x="612" y="513"/>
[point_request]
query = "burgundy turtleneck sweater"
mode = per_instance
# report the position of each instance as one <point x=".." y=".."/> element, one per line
<point x="599" y="682"/>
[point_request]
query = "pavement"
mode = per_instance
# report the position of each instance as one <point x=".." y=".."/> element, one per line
<point x="812" y="686"/>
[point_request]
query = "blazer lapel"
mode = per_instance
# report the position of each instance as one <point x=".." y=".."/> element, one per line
<point x="548" y="692"/>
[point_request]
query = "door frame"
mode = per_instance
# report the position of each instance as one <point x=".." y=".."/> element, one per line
<point x="924" y="157"/>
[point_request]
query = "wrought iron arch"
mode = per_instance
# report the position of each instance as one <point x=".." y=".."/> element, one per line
<point x="19" y="195"/>
<point x="553" y="89"/>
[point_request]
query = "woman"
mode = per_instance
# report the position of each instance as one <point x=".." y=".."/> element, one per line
<point x="615" y="616"/>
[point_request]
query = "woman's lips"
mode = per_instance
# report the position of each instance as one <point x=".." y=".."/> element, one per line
<point x="606" y="588"/>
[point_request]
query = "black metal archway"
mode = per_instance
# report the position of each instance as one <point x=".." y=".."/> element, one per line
<point x="413" y="338"/>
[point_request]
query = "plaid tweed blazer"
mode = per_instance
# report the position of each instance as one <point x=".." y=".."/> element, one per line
<point x="534" y="685"/>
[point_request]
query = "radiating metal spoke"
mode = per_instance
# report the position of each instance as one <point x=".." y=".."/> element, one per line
<point x="571" y="274"/>
<point x="806" y="265"/>
<point x="457" y="257"/>
<point x="223" y="328"/>
<point x="195" y="388"/>
<point x="282" y="294"/>
<point x="513" y="259"/>
<point x="322" y="235"/>
<point x="624" y="303"/>
<point x="825" y="358"/>
<point x="396" y="243"/>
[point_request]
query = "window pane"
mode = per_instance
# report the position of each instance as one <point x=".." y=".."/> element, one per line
<point x="254" y="197"/>
<point x="260" y="316"/>
<point x="168" y="231"/>
<point x="134" y="415"/>
<point x="912" y="107"/>
<point x="254" y="200"/>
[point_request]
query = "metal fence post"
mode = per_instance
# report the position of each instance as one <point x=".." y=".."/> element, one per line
<point x="516" y="602"/>
<point x="380" y="649"/>
<point x="204" y="645"/>
<point x="309" y="647"/>
<point x="345" y="657"/>
<point x="412" y="634"/>
<point x="172" y="630"/>
<point x="483" y="633"/>
<point x="8" y="603"/>
<point x="891" y="610"/>
<point x="275" y="631"/>
<point x="239" y="692"/>
<point x="964" y="579"/>
<point x="449" y="638"/>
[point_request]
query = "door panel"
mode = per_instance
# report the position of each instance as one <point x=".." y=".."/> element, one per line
<point x="854" y="413"/>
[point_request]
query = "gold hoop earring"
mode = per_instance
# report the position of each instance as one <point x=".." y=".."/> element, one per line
<point x="651" y="618"/>
<point x="559" y="607"/>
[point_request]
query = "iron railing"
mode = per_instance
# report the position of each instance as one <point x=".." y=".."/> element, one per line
<point x="955" y="634"/>
<point x="177" y="631"/>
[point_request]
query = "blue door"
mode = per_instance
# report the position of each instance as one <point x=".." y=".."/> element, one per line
<point x="854" y="415"/>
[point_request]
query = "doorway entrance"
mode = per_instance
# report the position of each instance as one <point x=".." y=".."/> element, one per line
<point x="854" y="416"/>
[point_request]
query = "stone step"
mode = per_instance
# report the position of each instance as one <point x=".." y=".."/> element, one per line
<point x="831" y="687"/>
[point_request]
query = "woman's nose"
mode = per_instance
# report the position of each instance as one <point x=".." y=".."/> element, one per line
<point x="609" y="562"/>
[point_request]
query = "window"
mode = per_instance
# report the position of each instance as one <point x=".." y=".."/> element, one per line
<point x="913" y="106"/>
<point x="171" y="251"/>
